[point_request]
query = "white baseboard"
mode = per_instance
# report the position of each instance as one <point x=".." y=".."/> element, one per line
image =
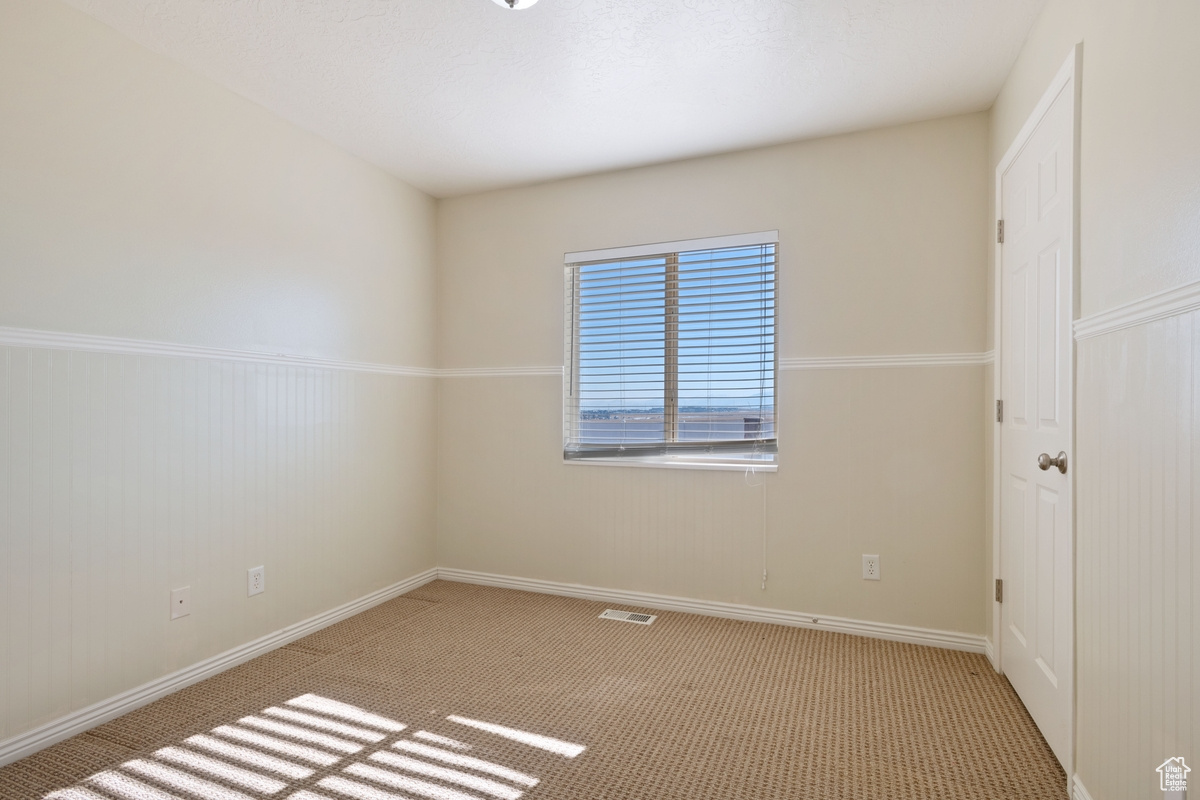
<point x="30" y="742"/>
<point x="1077" y="790"/>
<point x="990" y="652"/>
<point x="949" y="640"/>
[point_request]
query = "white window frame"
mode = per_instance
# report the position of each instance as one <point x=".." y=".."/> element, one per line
<point x="766" y="462"/>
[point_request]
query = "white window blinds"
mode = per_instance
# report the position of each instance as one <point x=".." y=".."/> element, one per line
<point x="671" y="350"/>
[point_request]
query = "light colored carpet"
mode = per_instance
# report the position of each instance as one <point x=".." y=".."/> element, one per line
<point x="688" y="708"/>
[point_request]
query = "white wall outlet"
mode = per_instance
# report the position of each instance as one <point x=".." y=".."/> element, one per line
<point x="870" y="568"/>
<point x="256" y="581"/>
<point x="181" y="602"/>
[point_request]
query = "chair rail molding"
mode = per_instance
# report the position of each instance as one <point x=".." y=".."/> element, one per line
<point x="500" y="372"/>
<point x="888" y="361"/>
<point x="84" y="342"/>
<point x="1159" y="305"/>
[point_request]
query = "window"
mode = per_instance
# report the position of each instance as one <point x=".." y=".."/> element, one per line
<point x="670" y="352"/>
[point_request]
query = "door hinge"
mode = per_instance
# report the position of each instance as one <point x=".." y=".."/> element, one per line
<point x="999" y="231"/>
<point x="999" y="590"/>
<point x="999" y="411"/>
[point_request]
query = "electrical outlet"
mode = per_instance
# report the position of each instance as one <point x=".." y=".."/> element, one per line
<point x="256" y="581"/>
<point x="181" y="602"/>
<point x="870" y="568"/>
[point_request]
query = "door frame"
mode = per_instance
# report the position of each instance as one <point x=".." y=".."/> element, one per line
<point x="1068" y="75"/>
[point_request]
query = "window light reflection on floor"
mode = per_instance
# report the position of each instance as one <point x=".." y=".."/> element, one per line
<point x="124" y="786"/>
<point x="459" y="760"/>
<point x="262" y="755"/>
<point x="183" y="781"/>
<point x="249" y="756"/>
<point x="359" y="791"/>
<point x="304" y="734"/>
<point x="219" y="769"/>
<point x="418" y="767"/>
<point x="445" y="741"/>
<point x="346" y="711"/>
<point x="310" y="754"/>
<point x="525" y="737"/>
<point x="407" y="783"/>
<point x="340" y="728"/>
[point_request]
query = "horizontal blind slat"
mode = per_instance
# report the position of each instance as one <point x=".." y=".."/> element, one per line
<point x="714" y="324"/>
<point x="653" y="319"/>
<point x="645" y="282"/>
<point x="687" y="261"/>
<point x="598" y="342"/>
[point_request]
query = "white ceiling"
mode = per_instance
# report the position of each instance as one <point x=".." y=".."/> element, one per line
<point x="455" y="96"/>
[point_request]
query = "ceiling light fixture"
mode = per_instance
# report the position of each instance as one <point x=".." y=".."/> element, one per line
<point x="515" y="5"/>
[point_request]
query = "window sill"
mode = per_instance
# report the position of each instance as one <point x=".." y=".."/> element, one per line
<point x="653" y="463"/>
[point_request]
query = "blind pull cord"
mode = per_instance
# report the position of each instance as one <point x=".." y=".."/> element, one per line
<point x="751" y="472"/>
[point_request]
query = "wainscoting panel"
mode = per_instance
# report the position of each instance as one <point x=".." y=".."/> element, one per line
<point x="124" y="476"/>
<point x="1138" y="546"/>
<point x="878" y="461"/>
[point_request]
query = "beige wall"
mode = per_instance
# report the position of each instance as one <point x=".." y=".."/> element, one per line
<point x="138" y="200"/>
<point x="1138" y="389"/>
<point x="880" y="253"/>
<point x="1141" y="114"/>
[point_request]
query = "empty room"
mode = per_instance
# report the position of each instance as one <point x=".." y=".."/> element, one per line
<point x="556" y="399"/>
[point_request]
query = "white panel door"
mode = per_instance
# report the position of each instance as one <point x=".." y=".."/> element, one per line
<point x="1036" y="546"/>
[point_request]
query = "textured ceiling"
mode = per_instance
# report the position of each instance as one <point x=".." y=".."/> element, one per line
<point x="455" y="96"/>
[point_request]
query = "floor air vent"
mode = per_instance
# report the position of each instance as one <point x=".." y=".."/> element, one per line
<point x="628" y="616"/>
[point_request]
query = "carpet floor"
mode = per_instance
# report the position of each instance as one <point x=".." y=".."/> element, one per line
<point x="462" y="692"/>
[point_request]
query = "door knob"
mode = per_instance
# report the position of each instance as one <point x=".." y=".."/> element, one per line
<point x="1060" y="461"/>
